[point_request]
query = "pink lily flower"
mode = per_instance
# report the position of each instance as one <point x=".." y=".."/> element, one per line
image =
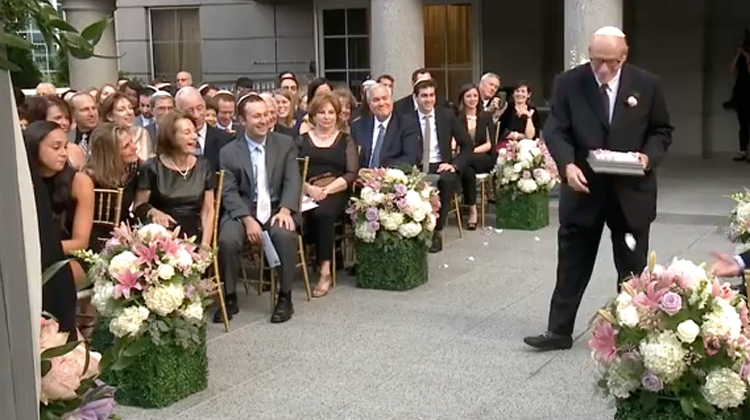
<point x="169" y="246"/>
<point x="603" y="342"/>
<point x="146" y="254"/>
<point x="723" y="291"/>
<point x="127" y="281"/>
<point x="652" y="296"/>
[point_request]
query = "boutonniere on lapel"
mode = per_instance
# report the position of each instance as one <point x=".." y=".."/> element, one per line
<point x="632" y="100"/>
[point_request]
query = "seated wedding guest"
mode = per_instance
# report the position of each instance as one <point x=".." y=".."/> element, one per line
<point x="482" y="159"/>
<point x="363" y="109"/>
<point x="210" y="139"/>
<point x="243" y="85"/>
<point x="386" y="80"/>
<point x="273" y="121"/>
<point x="520" y="121"/>
<point x="105" y="92"/>
<point x="161" y="103"/>
<point x="65" y="96"/>
<point x="176" y="188"/>
<point x="71" y="192"/>
<point x="288" y="82"/>
<point x="212" y="109"/>
<point x="408" y="104"/>
<point x="46" y="89"/>
<point x="113" y="164"/>
<point x="346" y="104"/>
<point x="86" y="118"/>
<point x="52" y="108"/>
<point x="119" y="109"/>
<point x="332" y="170"/>
<point x="59" y="292"/>
<point x="262" y="188"/>
<point x="386" y="139"/>
<point x="208" y="90"/>
<point x="145" y="116"/>
<point x="131" y="88"/>
<point x="317" y="85"/>
<point x="439" y="126"/>
<point x="183" y="79"/>
<point x="286" y="111"/>
<point x="225" y="116"/>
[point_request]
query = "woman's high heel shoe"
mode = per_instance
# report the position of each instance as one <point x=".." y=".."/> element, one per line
<point x="324" y="284"/>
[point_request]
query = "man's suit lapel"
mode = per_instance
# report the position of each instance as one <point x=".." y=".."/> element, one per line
<point x="272" y="154"/>
<point x="444" y="135"/>
<point x="623" y="91"/>
<point x="247" y="161"/>
<point x="591" y="90"/>
<point x="369" y="124"/>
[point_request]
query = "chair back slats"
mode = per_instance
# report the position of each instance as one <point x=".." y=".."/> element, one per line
<point x="108" y="206"/>
<point x="217" y="207"/>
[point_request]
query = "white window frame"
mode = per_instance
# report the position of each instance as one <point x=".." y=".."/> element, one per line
<point x="149" y="21"/>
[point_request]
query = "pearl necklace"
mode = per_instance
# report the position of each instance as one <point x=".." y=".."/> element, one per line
<point x="180" y="171"/>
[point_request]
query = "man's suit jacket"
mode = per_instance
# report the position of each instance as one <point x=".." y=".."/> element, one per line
<point x="284" y="178"/>
<point x="405" y="105"/>
<point x="216" y="139"/>
<point x="152" y="131"/>
<point x="448" y="127"/>
<point x="400" y="142"/>
<point x="577" y="124"/>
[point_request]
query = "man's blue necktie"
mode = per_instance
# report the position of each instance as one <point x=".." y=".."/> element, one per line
<point x="375" y="156"/>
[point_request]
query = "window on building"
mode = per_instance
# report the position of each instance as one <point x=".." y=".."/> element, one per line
<point x="448" y="46"/>
<point x="346" y="46"/>
<point x="175" y="42"/>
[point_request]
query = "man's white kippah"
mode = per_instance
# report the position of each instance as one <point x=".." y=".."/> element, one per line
<point x="610" y="31"/>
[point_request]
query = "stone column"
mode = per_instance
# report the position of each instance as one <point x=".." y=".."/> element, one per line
<point x="582" y="19"/>
<point x="94" y="71"/>
<point x="396" y="41"/>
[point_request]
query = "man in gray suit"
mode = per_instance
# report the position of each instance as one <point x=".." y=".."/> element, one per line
<point x="262" y="189"/>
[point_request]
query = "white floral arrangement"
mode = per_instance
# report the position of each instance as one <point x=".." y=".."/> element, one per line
<point x="524" y="167"/>
<point x="739" y="221"/>
<point x="393" y="205"/>
<point x="675" y="334"/>
<point x="150" y="280"/>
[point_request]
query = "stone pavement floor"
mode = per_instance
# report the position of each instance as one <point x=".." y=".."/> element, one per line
<point x="450" y="349"/>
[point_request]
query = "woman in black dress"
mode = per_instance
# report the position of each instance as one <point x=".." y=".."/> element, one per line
<point x="740" y="100"/>
<point x="332" y="169"/>
<point x="481" y="129"/>
<point x="113" y="164"/>
<point x="176" y="188"/>
<point x="521" y="120"/>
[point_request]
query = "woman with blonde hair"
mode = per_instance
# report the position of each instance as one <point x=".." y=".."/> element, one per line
<point x="113" y="163"/>
<point x="119" y="109"/>
<point x="286" y="109"/>
<point x="105" y="92"/>
<point x="348" y="103"/>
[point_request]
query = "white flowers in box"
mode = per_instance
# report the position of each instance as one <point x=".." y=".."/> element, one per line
<point x="524" y="167"/>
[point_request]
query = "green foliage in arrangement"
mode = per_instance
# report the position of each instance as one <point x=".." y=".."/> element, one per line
<point x="521" y="211"/>
<point x="402" y="265"/>
<point x="667" y="409"/>
<point x="158" y="376"/>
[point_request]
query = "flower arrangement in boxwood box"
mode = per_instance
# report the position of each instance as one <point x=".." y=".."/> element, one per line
<point x="148" y="282"/>
<point x="393" y="205"/>
<point x="675" y="334"/>
<point x="739" y="221"/>
<point x="524" y="167"/>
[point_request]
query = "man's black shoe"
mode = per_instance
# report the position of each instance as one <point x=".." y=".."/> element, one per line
<point x="437" y="242"/>
<point x="550" y="341"/>
<point x="284" y="309"/>
<point x="232" y="309"/>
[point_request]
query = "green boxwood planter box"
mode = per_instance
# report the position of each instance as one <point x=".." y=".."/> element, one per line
<point x="522" y="211"/>
<point x="402" y="266"/>
<point x="161" y="375"/>
<point x="632" y="409"/>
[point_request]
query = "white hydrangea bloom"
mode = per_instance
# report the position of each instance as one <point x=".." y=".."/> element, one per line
<point x="129" y="322"/>
<point x="527" y="186"/>
<point x="431" y="223"/>
<point x="122" y="261"/>
<point x="664" y="356"/>
<point x="193" y="311"/>
<point x="165" y="272"/>
<point x="724" y="320"/>
<point x="182" y="260"/>
<point x="395" y="176"/>
<point x="620" y="383"/>
<point x="363" y="232"/>
<point x="390" y="220"/>
<point x="152" y="231"/>
<point x="724" y="389"/>
<point x="743" y="211"/>
<point x="102" y="298"/>
<point x="410" y="230"/>
<point x="164" y="299"/>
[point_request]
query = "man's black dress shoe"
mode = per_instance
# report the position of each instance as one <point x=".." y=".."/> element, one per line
<point x="284" y="309"/>
<point x="550" y="341"/>
<point x="232" y="309"/>
<point x="437" y="242"/>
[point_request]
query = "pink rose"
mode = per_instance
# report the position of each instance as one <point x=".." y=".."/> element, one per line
<point x="66" y="374"/>
<point x="712" y="345"/>
<point x="50" y="335"/>
<point x="723" y="291"/>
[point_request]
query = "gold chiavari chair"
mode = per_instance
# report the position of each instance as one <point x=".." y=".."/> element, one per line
<point x="216" y="276"/>
<point x="455" y="206"/>
<point x="301" y="254"/>
<point x="108" y="207"/>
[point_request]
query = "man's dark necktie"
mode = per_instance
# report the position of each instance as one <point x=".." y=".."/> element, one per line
<point x="604" y="92"/>
<point x="375" y="156"/>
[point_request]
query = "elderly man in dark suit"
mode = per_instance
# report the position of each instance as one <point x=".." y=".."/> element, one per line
<point x="385" y="138"/>
<point x="161" y="103"/>
<point x="210" y="139"/>
<point x="262" y="190"/>
<point x="604" y="104"/>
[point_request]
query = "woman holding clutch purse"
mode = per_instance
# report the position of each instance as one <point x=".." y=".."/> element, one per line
<point x="332" y="169"/>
